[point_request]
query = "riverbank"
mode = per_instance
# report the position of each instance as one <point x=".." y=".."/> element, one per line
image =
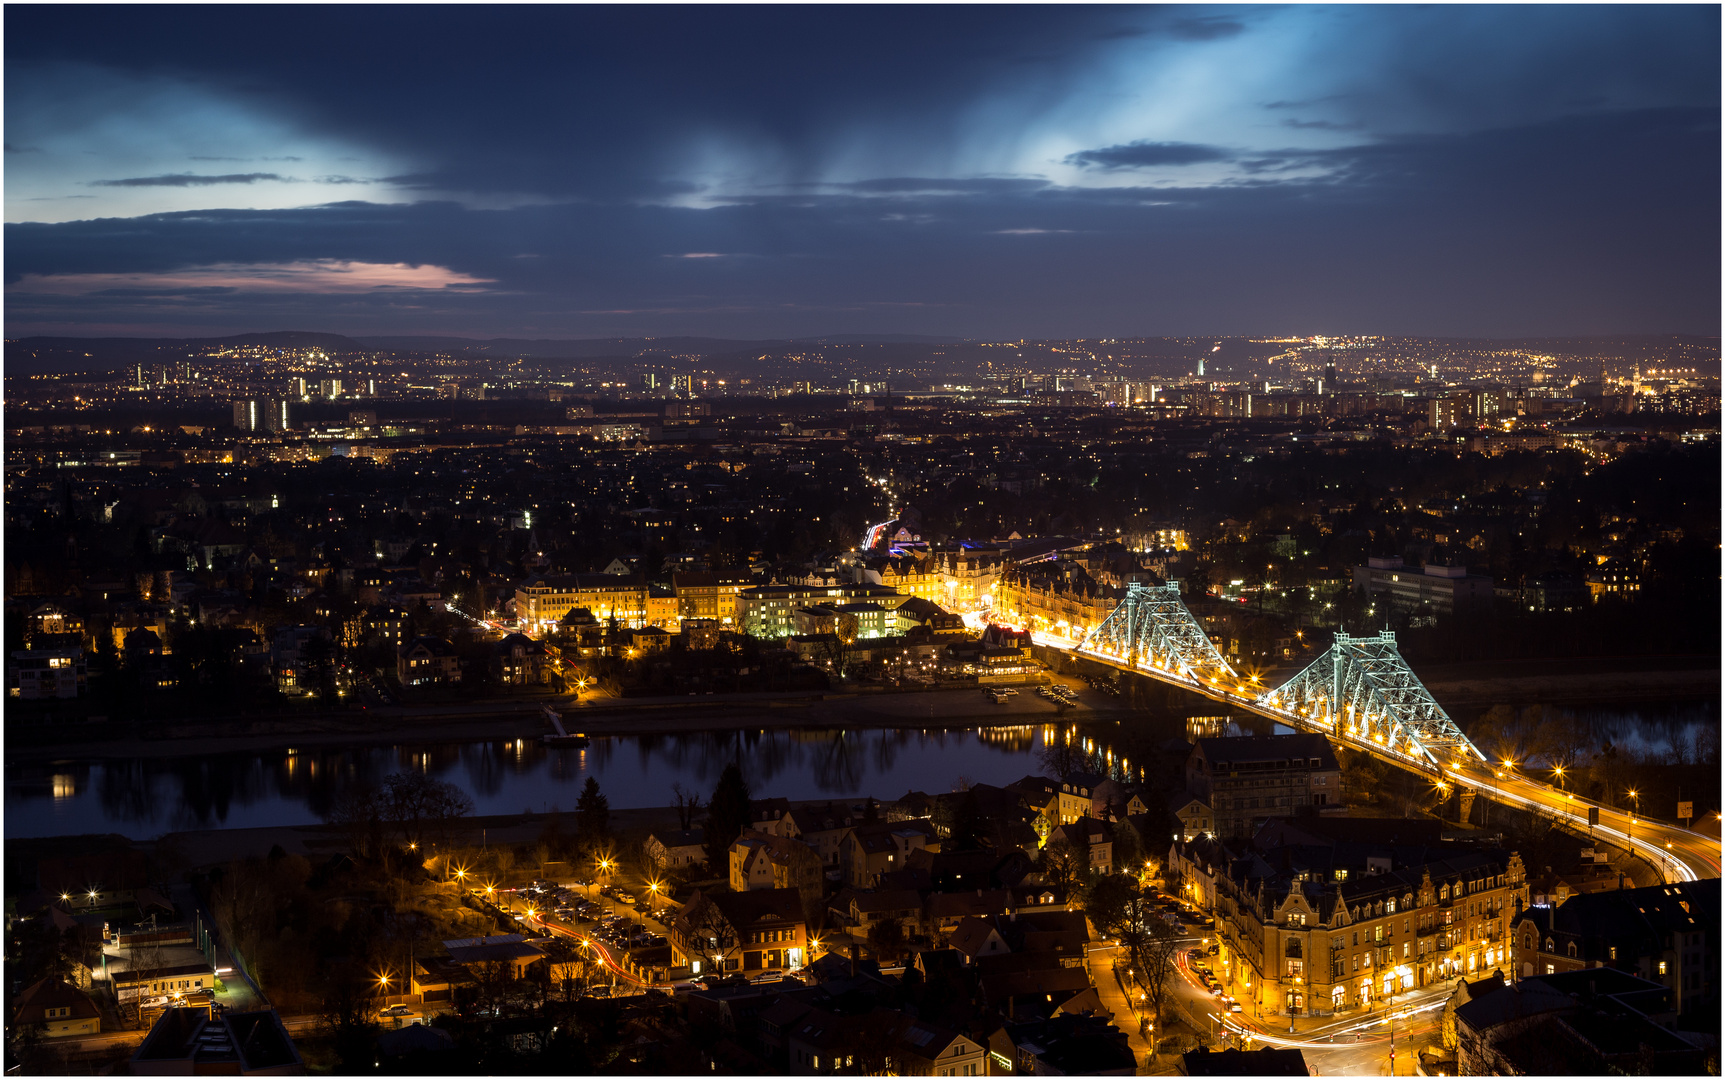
<point x="1458" y="687"/>
<point x="1573" y="681"/>
<point x="638" y="716"/>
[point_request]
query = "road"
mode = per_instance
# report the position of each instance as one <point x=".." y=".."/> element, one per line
<point x="1355" y="1044"/>
<point x="1675" y="853"/>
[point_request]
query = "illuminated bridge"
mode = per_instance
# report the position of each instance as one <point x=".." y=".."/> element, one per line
<point x="1362" y="694"/>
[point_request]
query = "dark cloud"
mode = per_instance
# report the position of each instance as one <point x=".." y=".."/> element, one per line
<point x="591" y="134"/>
<point x="1466" y="234"/>
<point x="191" y="180"/>
<point x="1321" y="125"/>
<point x="1206" y="28"/>
<point x="10" y="149"/>
<point x="1139" y="155"/>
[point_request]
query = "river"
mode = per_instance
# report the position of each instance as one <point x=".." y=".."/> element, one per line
<point x="147" y="797"/>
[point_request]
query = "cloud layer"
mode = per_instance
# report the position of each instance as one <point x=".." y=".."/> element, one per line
<point x="1037" y="171"/>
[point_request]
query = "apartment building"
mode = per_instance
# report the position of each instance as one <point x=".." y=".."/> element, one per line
<point x="1666" y="934"/>
<point x="541" y="602"/>
<point x="1316" y="930"/>
<point x="1246" y="780"/>
<point x="770" y="611"/>
<point x="1440" y="589"/>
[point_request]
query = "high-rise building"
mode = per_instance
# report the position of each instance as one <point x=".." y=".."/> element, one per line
<point x="257" y="414"/>
<point x="329" y="389"/>
<point x="649" y="380"/>
<point x="296" y="388"/>
<point x="683" y="384"/>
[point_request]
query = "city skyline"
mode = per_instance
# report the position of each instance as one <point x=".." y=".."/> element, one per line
<point x="993" y="173"/>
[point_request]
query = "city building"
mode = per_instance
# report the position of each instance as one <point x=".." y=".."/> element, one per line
<point x="677" y="849"/>
<point x="759" y="860"/>
<point x="1596" y="1022"/>
<point x="61" y="1009"/>
<point x="1248" y="779"/>
<point x="1338" y="928"/>
<point x="744" y="932"/>
<point x="261" y="414"/>
<point x="542" y="602"/>
<point x="869" y="850"/>
<point x="1437" y="588"/>
<point x="427" y="661"/>
<point x="1666" y="934"/>
<point x="518" y="660"/>
<point x="37" y="674"/>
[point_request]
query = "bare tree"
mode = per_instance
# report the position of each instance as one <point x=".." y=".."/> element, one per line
<point x="1154" y="963"/>
<point x="688" y="804"/>
<point x="1061" y="864"/>
<point x="423" y="807"/>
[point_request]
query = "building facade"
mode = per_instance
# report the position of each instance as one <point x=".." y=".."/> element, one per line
<point x="1315" y="935"/>
<point x="1440" y="589"/>
<point x="1667" y="934"/>
<point x="542" y="602"/>
<point x="1249" y="779"/>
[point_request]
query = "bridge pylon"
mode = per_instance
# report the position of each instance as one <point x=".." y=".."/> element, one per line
<point x="1363" y="691"/>
<point x="1151" y="628"/>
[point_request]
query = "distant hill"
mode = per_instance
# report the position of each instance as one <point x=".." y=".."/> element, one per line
<point x="32" y="355"/>
<point x="586" y="348"/>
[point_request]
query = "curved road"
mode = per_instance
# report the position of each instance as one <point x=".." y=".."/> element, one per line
<point x="1678" y="854"/>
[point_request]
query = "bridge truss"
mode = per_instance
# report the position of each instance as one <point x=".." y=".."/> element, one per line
<point x="1362" y="690"/>
<point x="1152" y="630"/>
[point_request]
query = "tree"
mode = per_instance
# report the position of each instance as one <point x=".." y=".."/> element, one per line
<point x="687" y="803"/>
<point x="423" y="807"/>
<point x="349" y="996"/>
<point x="728" y="814"/>
<point x="966" y="831"/>
<point x="1128" y="848"/>
<point x="887" y="938"/>
<point x="1061" y="865"/>
<point x="592" y="816"/>
<point x="1153" y="963"/>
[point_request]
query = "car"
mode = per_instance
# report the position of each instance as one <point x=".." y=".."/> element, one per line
<point x="396" y="1010"/>
<point x="1216" y="989"/>
<point x="1212" y="950"/>
<point x="768" y="977"/>
<point x="1234" y="1007"/>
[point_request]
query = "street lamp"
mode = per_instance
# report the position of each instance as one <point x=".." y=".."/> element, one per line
<point x="1636" y="796"/>
<point x="1557" y="770"/>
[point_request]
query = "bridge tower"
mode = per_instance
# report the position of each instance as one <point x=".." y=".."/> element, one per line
<point x="1152" y="630"/>
<point x="1361" y="690"/>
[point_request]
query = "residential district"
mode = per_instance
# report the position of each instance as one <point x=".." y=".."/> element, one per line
<point x="379" y="540"/>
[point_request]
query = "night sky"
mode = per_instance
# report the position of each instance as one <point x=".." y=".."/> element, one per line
<point x="771" y="172"/>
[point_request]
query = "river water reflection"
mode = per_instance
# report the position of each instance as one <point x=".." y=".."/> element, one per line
<point x="144" y="798"/>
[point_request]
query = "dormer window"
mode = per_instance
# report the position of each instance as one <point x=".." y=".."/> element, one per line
<point x="1390" y="908"/>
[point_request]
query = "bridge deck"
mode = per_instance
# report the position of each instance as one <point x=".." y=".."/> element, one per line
<point x="1678" y="854"/>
